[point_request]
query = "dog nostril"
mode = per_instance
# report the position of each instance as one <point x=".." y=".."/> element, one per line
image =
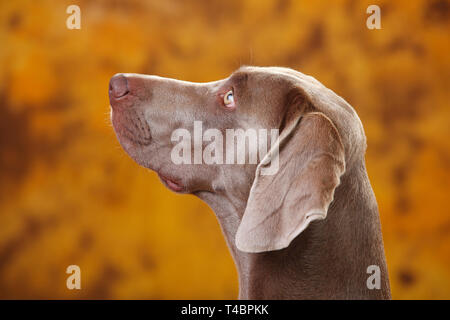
<point x="118" y="86"/>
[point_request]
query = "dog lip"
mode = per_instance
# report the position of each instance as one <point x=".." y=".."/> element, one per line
<point x="171" y="184"/>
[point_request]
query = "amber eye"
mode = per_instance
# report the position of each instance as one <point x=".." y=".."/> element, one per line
<point x="228" y="99"/>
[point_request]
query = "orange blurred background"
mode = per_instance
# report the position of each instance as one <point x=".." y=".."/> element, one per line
<point x="70" y="195"/>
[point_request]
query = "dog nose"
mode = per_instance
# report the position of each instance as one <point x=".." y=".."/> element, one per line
<point x="118" y="86"/>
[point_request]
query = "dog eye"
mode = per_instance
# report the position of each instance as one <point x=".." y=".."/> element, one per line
<point x="228" y="99"/>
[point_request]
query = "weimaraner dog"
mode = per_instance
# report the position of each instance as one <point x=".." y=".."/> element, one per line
<point x="309" y="231"/>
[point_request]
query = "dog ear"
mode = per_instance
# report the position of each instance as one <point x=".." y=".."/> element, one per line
<point x="280" y="206"/>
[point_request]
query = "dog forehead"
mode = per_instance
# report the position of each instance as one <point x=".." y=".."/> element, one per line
<point x="265" y="72"/>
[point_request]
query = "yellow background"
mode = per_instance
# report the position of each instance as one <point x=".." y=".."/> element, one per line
<point x="70" y="195"/>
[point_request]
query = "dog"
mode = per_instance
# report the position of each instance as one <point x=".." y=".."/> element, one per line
<point x="309" y="231"/>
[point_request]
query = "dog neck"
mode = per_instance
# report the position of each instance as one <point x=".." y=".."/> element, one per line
<point x="268" y="275"/>
<point x="327" y="261"/>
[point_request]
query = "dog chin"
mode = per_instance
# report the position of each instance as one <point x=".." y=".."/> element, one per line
<point x="133" y="150"/>
<point x="137" y="155"/>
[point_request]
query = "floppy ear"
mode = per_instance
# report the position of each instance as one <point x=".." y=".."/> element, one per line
<point x="281" y="206"/>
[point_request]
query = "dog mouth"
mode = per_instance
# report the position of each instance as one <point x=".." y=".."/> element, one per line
<point x="132" y="127"/>
<point x="171" y="183"/>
